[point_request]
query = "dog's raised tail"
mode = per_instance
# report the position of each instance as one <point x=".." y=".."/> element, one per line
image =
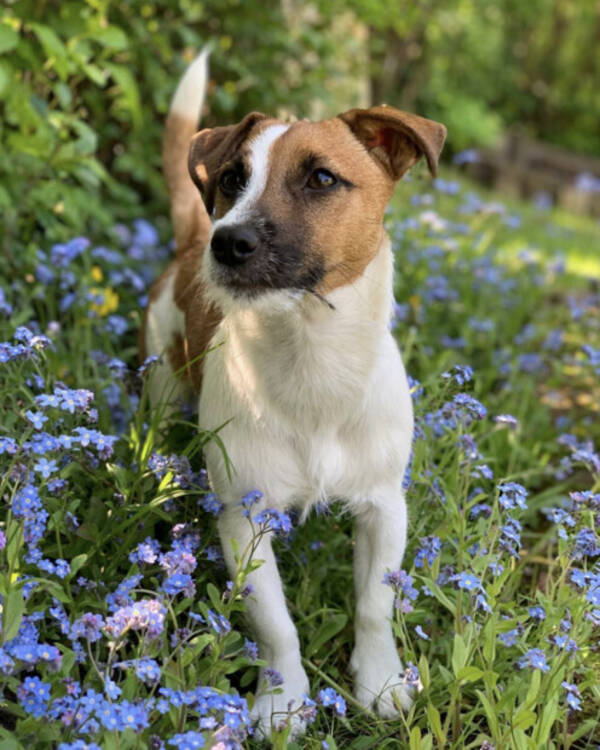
<point x="191" y="223"/>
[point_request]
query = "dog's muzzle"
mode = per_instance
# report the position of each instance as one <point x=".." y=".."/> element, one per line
<point x="233" y="246"/>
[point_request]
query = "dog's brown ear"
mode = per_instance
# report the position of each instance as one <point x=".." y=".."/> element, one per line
<point x="397" y="139"/>
<point x="212" y="147"/>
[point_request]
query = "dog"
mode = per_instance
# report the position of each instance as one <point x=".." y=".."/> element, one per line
<point x="283" y="274"/>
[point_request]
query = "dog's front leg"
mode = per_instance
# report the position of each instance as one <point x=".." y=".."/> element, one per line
<point x="270" y="620"/>
<point x="379" y="546"/>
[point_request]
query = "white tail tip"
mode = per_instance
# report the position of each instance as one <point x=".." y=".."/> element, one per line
<point x="189" y="95"/>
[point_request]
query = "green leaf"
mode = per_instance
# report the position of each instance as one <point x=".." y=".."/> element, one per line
<point x="524" y="718"/>
<point x="9" y="38"/>
<point x="325" y="632"/>
<point x="130" y="95"/>
<point x="440" y="596"/>
<point x="415" y="739"/>
<point x="14" y="536"/>
<point x="77" y="563"/>
<point x="459" y="654"/>
<point x="55" y="50"/>
<point x="111" y="37"/>
<point x="435" y="723"/>
<point x="214" y="596"/>
<point x="424" y="672"/>
<point x="583" y="730"/>
<point x="10" y="743"/>
<point x="548" y="718"/>
<point x="489" y="712"/>
<point x="489" y="640"/>
<point x="470" y="674"/>
<point x="12" y="614"/>
<point x="534" y="688"/>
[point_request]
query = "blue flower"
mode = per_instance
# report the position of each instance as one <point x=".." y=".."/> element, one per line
<point x="573" y="696"/>
<point x="507" y="419"/>
<point x="273" y="677"/>
<point x="481" y="509"/>
<point x="248" y="501"/>
<point x="34" y="695"/>
<point x="593" y="596"/>
<point x="429" y="550"/>
<point x="534" y="658"/>
<point x="187" y="741"/>
<point x="461" y="374"/>
<point x="510" y="536"/>
<point x="512" y="495"/>
<point x="149" y="363"/>
<point x="329" y="697"/>
<point x="586" y="545"/>
<point x="146" y="552"/>
<point x="37" y="419"/>
<point x="538" y="613"/>
<point x="421" y="633"/>
<point x="8" y="446"/>
<point x="112" y="689"/>
<point x="179" y="583"/>
<point x="88" y="626"/>
<point x="219" y="623"/>
<point x="467" y="581"/>
<point x="402" y="584"/>
<point x="210" y="503"/>
<point x="251" y="650"/>
<point x="45" y="467"/>
<point x="274" y="520"/>
<point x="147" y="670"/>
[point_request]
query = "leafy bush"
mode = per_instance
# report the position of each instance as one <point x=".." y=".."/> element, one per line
<point x="84" y="89"/>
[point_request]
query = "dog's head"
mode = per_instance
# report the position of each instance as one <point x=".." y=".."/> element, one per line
<point x="300" y="207"/>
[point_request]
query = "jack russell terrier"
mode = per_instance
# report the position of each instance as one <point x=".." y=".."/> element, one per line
<point x="290" y="287"/>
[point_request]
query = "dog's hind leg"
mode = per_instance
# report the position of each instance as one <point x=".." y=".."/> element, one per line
<point x="270" y="620"/>
<point x="379" y="546"/>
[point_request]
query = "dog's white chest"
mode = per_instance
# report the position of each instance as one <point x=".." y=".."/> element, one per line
<point x="315" y="403"/>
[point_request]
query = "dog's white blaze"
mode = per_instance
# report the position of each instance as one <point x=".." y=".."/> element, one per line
<point x="259" y="171"/>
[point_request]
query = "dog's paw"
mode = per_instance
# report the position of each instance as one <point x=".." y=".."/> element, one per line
<point x="378" y="684"/>
<point x="277" y="710"/>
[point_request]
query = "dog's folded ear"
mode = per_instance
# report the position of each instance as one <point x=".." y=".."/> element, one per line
<point x="212" y="147"/>
<point x="397" y="139"/>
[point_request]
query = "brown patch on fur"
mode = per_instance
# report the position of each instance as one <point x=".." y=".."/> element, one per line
<point x="191" y="223"/>
<point x="201" y="318"/>
<point x="177" y="354"/>
<point x="395" y="138"/>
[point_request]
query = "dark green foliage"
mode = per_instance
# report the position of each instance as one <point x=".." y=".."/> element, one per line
<point x="84" y="89"/>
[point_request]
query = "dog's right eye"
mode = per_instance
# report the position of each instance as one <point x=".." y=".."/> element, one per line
<point x="231" y="182"/>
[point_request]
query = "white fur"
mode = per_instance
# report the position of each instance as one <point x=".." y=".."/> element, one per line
<point x="164" y="321"/>
<point x="189" y="94"/>
<point x="317" y="406"/>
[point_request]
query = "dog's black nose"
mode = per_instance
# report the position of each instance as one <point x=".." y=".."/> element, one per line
<point x="233" y="246"/>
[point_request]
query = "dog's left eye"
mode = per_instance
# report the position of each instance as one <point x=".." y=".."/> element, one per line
<point x="231" y="182"/>
<point x="321" y="179"/>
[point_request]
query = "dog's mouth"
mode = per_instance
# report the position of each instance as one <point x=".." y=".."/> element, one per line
<point x="266" y="273"/>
